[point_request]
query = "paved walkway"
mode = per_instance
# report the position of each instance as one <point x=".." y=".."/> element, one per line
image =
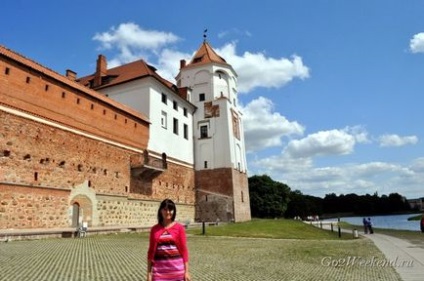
<point x="406" y="258"/>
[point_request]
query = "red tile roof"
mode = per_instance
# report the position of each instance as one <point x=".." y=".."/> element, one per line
<point x="206" y="54"/>
<point x="125" y="73"/>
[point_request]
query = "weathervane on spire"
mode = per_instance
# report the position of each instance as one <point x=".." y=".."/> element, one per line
<point x="204" y="34"/>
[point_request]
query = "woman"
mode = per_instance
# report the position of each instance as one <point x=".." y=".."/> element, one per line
<point x="167" y="257"/>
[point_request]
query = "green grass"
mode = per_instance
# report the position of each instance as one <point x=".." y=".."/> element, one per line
<point x="415" y="218"/>
<point x="270" y="228"/>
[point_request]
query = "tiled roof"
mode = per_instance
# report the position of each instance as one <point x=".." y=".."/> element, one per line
<point x="125" y="73"/>
<point x="206" y="54"/>
<point x="60" y="78"/>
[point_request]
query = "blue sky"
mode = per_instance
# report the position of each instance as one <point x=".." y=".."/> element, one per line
<point x="331" y="91"/>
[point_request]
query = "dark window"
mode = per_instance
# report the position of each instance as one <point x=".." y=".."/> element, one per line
<point x="28" y="79"/>
<point x="186" y="131"/>
<point x="205" y="164"/>
<point x="164" y="99"/>
<point x="163" y="120"/>
<point x="185" y="112"/>
<point x="201" y="97"/>
<point x="63" y="94"/>
<point x="46" y="88"/>
<point x="175" y="105"/>
<point x="7" y="71"/>
<point x="203" y="132"/>
<point x="198" y="59"/>
<point x="175" y="126"/>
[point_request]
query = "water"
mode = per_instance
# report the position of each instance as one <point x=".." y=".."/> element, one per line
<point x="389" y="221"/>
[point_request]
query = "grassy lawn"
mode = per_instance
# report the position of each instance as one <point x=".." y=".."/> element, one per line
<point x="270" y="228"/>
<point x="415" y="218"/>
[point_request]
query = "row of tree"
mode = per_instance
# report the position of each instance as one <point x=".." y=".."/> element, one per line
<point x="270" y="199"/>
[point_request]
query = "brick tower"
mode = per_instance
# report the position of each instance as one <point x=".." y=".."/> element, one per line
<point x="219" y="148"/>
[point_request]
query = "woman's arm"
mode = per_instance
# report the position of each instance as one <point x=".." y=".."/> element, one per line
<point x="183" y="243"/>
<point x="187" y="276"/>
<point x="149" y="270"/>
<point x="151" y="253"/>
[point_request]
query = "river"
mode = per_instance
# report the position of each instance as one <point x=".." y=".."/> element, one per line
<point x="389" y="221"/>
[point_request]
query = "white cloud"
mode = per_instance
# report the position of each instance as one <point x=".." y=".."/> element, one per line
<point x="416" y="44"/>
<point x="396" y="140"/>
<point x="263" y="127"/>
<point x="381" y="177"/>
<point x="257" y="70"/>
<point x="168" y="63"/>
<point x="332" y="142"/>
<point x="133" y="42"/>
<point x="418" y="165"/>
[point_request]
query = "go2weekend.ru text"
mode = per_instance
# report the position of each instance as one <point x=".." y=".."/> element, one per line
<point x="366" y="262"/>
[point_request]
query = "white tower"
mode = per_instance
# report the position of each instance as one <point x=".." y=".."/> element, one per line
<point x="219" y="148"/>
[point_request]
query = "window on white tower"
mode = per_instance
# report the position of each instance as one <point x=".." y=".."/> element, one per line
<point x="175" y="126"/>
<point x="186" y="131"/>
<point x="163" y="119"/>
<point x="201" y="97"/>
<point x="203" y="131"/>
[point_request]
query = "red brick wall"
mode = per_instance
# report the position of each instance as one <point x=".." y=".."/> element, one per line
<point x="241" y="197"/>
<point x="31" y="91"/>
<point x="223" y="194"/>
<point x="175" y="183"/>
<point x="216" y="181"/>
<point x="40" y="155"/>
<point x="64" y="160"/>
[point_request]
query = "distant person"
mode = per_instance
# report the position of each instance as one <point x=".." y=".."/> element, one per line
<point x="167" y="257"/>
<point x="365" y="223"/>
<point x="370" y="228"/>
<point x="422" y="223"/>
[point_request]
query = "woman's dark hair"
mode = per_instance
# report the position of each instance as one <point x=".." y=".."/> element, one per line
<point x="169" y="205"/>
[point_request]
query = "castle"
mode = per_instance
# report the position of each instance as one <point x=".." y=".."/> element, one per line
<point x="107" y="148"/>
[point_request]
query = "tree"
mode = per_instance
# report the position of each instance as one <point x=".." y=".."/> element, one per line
<point x="268" y="198"/>
<point x="303" y="205"/>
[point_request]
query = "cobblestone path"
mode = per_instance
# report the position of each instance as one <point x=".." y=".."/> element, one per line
<point x="123" y="257"/>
